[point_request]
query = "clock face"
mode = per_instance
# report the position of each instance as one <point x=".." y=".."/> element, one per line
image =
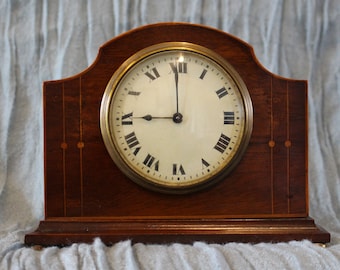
<point x="175" y="117"/>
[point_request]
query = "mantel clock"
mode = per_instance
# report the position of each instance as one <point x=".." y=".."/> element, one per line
<point x="176" y="133"/>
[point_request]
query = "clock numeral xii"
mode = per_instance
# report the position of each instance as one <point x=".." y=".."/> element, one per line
<point x="179" y="67"/>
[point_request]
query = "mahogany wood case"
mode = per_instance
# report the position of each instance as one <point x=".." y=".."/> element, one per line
<point x="265" y="198"/>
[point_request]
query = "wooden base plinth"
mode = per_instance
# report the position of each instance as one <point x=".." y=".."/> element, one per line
<point x="65" y="231"/>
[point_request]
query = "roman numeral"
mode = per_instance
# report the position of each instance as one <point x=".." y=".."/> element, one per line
<point x="134" y="93"/>
<point x="229" y="118"/>
<point x="177" y="169"/>
<point x="135" y="152"/>
<point x="179" y="67"/>
<point x="222" y="143"/>
<point x="127" y="119"/>
<point x="205" y="164"/>
<point x="151" y="161"/>
<point x="221" y="92"/>
<point x="154" y="74"/>
<point x="203" y="74"/>
<point x="131" y="140"/>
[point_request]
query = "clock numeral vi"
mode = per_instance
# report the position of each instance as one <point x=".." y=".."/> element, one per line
<point x="153" y="74"/>
<point x="177" y="169"/>
<point x="229" y="118"/>
<point x="222" y="143"/>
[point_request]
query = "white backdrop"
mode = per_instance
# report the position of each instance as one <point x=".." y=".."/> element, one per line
<point x="46" y="40"/>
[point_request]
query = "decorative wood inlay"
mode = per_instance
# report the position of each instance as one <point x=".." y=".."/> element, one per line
<point x="288" y="148"/>
<point x="64" y="149"/>
<point x="81" y="146"/>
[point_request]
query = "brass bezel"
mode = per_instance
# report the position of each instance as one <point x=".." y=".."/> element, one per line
<point x="115" y="81"/>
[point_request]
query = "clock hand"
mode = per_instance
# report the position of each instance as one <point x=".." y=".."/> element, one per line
<point x="149" y="117"/>
<point x="176" y="83"/>
<point x="177" y="117"/>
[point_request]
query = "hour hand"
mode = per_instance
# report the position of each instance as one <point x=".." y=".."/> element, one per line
<point x="149" y="117"/>
<point x="177" y="117"/>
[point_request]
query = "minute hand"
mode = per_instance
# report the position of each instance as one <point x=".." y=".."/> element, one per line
<point x="177" y="117"/>
<point x="176" y="83"/>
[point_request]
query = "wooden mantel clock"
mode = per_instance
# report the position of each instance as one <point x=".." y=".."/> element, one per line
<point x="175" y="134"/>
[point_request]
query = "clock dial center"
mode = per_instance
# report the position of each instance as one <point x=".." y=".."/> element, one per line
<point x="177" y="118"/>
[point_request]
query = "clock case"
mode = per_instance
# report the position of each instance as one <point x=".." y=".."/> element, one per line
<point x="265" y="198"/>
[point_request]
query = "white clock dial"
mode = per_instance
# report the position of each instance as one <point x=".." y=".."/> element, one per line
<point x="175" y="119"/>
